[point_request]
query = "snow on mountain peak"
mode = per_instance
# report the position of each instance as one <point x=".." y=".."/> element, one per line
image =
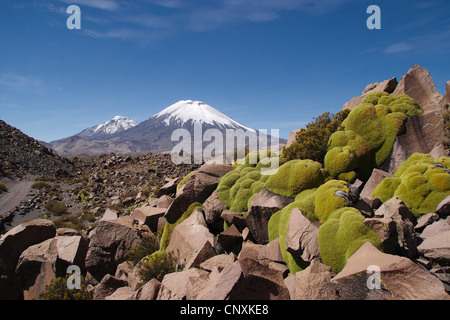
<point x="116" y="124"/>
<point x="197" y="111"/>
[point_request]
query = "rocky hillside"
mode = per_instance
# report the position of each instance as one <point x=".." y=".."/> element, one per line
<point x="21" y="154"/>
<point x="366" y="223"/>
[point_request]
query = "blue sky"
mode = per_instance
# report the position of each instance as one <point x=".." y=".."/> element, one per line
<point x="269" y="64"/>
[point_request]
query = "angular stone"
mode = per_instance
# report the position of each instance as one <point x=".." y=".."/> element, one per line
<point x="302" y="237"/>
<point x="148" y="216"/>
<point x="109" y="215"/>
<point x="148" y="291"/>
<point x="109" y="244"/>
<point x="189" y="237"/>
<point x="443" y="208"/>
<point x="122" y="293"/>
<point x="230" y="239"/>
<point x="263" y="206"/>
<point x="197" y="189"/>
<point x="396" y="276"/>
<point x="387" y="86"/>
<point x="170" y="188"/>
<point x="395" y="209"/>
<point x="201" y="256"/>
<point x="419" y="85"/>
<point x="313" y="283"/>
<point x="404" y="222"/>
<point x="386" y="230"/>
<point x="436" y="247"/>
<point x="270" y="252"/>
<point x="425" y="220"/>
<point x="213" y="208"/>
<point x="375" y="179"/>
<point x="184" y="285"/>
<point x="261" y="282"/>
<point x="107" y="287"/>
<point x="220" y="262"/>
<point x="41" y="263"/>
<point x="164" y="202"/>
<point x="19" y="238"/>
<point x="234" y="218"/>
<point x="435" y="228"/>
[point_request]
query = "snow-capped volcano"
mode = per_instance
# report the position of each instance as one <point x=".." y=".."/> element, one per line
<point x="122" y="135"/>
<point x="102" y="131"/>
<point x="186" y="111"/>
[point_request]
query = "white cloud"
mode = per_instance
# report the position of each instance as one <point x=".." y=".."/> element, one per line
<point x="109" y="5"/>
<point x="398" y="48"/>
<point x="23" y="83"/>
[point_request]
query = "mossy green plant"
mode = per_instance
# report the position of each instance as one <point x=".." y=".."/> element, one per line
<point x="368" y="136"/>
<point x="327" y="198"/>
<point x="421" y="182"/>
<point x="295" y="176"/>
<point x="342" y="235"/>
<point x="237" y="187"/>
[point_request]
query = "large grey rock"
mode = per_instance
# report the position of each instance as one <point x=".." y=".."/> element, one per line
<point x="437" y="247"/>
<point x="386" y="86"/>
<point x="16" y="240"/>
<point x="170" y="188"/>
<point x="107" y="286"/>
<point x="41" y="263"/>
<point x="197" y="189"/>
<point x="189" y="237"/>
<point x="375" y="179"/>
<point x="302" y="237"/>
<point x="401" y="278"/>
<point x="404" y="222"/>
<point x="419" y="85"/>
<point x="263" y="206"/>
<point x="109" y="244"/>
<point x="435" y="228"/>
<point x="185" y="285"/>
<point x="313" y="283"/>
<point x="213" y="208"/>
<point x="148" y="216"/>
<point x="12" y="244"/>
<point x="443" y="208"/>
<point x="148" y="291"/>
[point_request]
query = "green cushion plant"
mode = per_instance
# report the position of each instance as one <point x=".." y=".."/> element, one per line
<point x="421" y="182"/>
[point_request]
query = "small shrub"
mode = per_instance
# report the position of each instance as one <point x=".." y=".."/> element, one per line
<point x="3" y="188"/>
<point x="311" y="143"/>
<point x="40" y="185"/>
<point x="57" y="290"/>
<point x="69" y="221"/>
<point x="51" y="179"/>
<point x="56" y="207"/>
<point x="84" y="195"/>
<point x="149" y="246"/>
<point x="157" y="265"/>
